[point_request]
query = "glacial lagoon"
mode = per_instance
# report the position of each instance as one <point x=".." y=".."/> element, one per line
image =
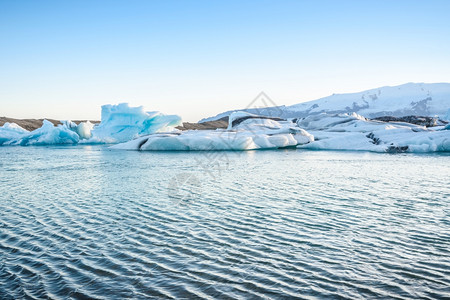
<point x="86" y="221"/>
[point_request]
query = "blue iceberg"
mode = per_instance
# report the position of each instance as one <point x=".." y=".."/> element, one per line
<point x="119" y="123"/>
<point x="48" y="134"/>
<point x="10" y="131"/>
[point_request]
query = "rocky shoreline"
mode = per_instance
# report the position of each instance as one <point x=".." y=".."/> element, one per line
<point x="32" y="124"/>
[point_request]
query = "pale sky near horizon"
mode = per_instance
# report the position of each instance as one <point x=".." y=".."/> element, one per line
<point x="64" y="59"/>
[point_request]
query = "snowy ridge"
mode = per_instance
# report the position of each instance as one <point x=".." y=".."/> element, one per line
<point x="423" y="99"/>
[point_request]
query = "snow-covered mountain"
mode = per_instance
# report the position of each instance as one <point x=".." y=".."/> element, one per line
<point x="424" y="99"/>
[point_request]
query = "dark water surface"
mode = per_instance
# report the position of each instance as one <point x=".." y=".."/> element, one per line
<point x="86" y="222"/>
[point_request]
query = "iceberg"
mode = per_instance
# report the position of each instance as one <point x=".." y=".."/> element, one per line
<point x="133" y="128"/>
<point x="119" y="123"/>
<point x="10" y="131"/>
<point x="48" y="134"/>
<point x="354" y="132"/>
<point x="245" y="132"/>
<point x="83" y="129"/>
<point x="122" y="123"/>
<point x="344" y="131"/>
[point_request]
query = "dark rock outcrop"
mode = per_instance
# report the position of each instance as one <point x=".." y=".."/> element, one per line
<point x="417" y="120"/>
<point x="211" y="125"/>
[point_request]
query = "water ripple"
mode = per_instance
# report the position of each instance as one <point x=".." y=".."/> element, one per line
<point x="84" y="222"/>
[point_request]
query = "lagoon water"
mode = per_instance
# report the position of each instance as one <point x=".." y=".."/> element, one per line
<point x="88" y="222"/>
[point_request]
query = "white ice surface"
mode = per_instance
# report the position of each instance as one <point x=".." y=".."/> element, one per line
<point x="245" y="132"/>
<point x="250" y="134"/>
<point x="354" y="132"/>
<point x="321" y="132"/>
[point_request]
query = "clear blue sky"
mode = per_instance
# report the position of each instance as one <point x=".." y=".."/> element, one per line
<point x="64" y="59"/>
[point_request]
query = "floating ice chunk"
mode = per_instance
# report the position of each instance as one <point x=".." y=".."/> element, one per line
<point x="10" y="131"/>
<point x="83" y="129"/>
<point x="245" y="132"/>
<point x="353" y="132"/>
<point x="119" y="123"/>
<point x="122" y="123"/>
<point x="48" y="134"/>
<point x="207" y="140"/>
